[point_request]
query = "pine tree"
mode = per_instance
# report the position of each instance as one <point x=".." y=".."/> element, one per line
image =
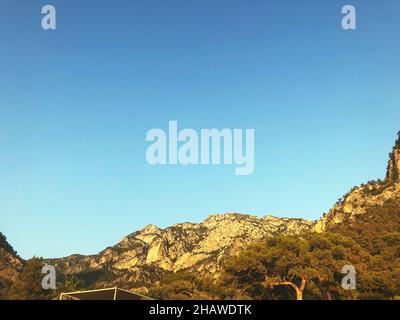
<point x="28" y="283"/>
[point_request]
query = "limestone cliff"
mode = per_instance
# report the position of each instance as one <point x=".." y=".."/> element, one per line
<point x="374" y="193"/>
<point x="194" y="246"/>
<point x="393" y="169"/>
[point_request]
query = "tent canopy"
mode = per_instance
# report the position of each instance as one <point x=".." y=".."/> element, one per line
<point x="103" y="294"/>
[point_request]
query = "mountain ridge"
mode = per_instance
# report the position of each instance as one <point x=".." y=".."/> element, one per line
<point x="197" y="246"/>
<point x="202" y="246"/>
<point x="142" y="257"/>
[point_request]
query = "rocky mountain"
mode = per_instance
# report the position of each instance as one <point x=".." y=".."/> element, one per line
<point x="371" y="194"/>
<point x="142" y="255"/>
<point x="141" y="258"/>
<point x="10" y="263"/>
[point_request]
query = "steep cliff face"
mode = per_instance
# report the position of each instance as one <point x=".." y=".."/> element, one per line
<point x="393" y="169"/>
<point x="186" y="245"/>
<point x="359" y="199"/>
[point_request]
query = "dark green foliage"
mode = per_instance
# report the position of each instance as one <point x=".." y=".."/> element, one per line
<point x="69" y="283"/>
<point x="90" y="278"/>
<point x="28" y="286"/>
<point x="184" y="285"/>
<point x="372" y="228"/>
<point x="5" y="245"/>
<point x="370" y="242"/>
<point x="397" y="144"/>
<point x="312" y="259"/>
<point x="4" y="289"/>
<point x="7" y="267"/>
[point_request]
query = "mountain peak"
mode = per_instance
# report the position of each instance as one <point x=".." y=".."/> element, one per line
<point x="393" y="169"/>
<point x="183" y="246"/>
<point x="217" y="218"/>
<point x="151" y="228"/>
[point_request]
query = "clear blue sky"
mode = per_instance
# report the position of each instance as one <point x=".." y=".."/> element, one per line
<point x="76" y="103"/>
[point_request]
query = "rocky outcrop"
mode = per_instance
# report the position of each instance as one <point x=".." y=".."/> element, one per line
<point x="183" y="246"/>
<point x="357" y="202"/>
<point x="393" y="169"/>
<point x="359" y="199"/>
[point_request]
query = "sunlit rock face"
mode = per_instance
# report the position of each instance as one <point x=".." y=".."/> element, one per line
<point x="359" y="199"/>
<point x="357" y="202"/>
<point x="393" y="169"/>
<point x="198" y="246"/>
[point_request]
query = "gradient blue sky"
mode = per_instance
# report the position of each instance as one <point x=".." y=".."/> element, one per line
<point x="76" y="103"/>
